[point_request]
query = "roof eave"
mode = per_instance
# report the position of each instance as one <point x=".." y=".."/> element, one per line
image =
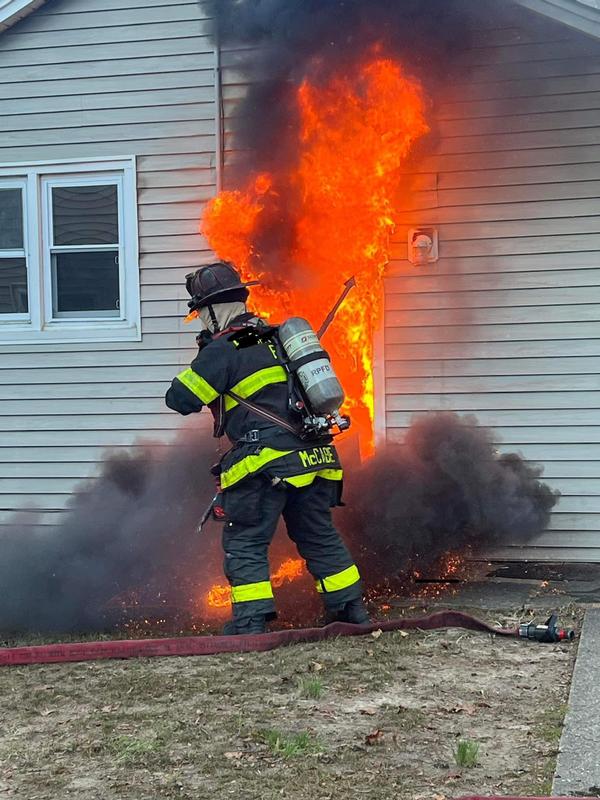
<point x="12" y="11"/>
<point x="576" y="14"/>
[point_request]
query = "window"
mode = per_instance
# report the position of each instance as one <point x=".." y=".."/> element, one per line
<point x="13" y="259"/>
<point x="68" y="252"/>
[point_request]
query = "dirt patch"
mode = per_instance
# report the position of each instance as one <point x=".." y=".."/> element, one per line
<point x="371" y="717"/>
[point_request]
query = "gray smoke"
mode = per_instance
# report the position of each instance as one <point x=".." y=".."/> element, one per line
<point x="131" y="533"/>
<point x="296" y="39"/>
<point x="444" y="489"/>
<point x="280" y="43"/>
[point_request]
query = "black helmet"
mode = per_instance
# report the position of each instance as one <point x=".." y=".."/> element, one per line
<point x="215" y="283"/>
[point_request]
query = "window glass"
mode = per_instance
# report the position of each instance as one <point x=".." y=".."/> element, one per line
<point x="85" y="215"/>
<point x="13" y="286"/>
<point x="86" y="282"/>
<point x="11" y="219"/>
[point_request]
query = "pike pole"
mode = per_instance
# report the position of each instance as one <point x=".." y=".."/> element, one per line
<point x="348" y="286"/>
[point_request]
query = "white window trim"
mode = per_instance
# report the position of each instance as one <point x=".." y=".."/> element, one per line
<point x="50" y="182"/>
<point x="40" y="327"/>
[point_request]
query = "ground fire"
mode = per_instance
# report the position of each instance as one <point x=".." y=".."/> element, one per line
<point x="219" y="595"/>
<point x="355" y="133"/>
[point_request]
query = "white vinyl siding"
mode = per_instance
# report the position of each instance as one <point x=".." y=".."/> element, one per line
<point x="506" y="325"/>
<point x="102" y="79"/>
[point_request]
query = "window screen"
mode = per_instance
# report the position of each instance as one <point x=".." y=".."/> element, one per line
<point x="11" y="219"/>
<point x="13" y="263"/>
<point x="13" y="286"/>
<point x="85" y="215"/>
<point x="87" y="281"/>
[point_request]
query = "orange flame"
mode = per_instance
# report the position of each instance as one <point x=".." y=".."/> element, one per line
<point x="219" y="595"/>
<point x="356" y="132"/>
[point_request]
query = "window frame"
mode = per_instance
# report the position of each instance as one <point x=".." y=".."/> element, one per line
<point x="22" y="252"/>
<point x="40" y="325"/>
<point x="49" y="247"/>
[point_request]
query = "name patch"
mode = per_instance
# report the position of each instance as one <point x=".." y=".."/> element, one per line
<point x="317" y="456"/>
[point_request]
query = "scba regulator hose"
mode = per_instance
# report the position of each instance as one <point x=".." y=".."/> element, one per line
<point x="211" y="645"/>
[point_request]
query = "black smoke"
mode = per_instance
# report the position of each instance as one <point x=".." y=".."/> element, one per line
<point x="279" y="43"/>
<point x="444" y="489"/>
<point x="129" y="537"/>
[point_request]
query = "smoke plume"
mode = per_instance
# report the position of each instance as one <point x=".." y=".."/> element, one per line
<point x="445" y="489"/>
<point x="130" y="535"/>
<point x="277" y="46"/>
<point x="313" y="39"/>
<point x="131" y="531"/>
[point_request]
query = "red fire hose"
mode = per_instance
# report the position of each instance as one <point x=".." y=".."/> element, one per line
<point x="210" y="645"/>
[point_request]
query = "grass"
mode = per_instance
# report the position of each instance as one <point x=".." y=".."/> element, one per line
<point x="550" y="725"/>
<point x="290" y="724"/>
<point x="548" y="729"/>
<point x="290" y="745"/>
<point x="133" y="749"/>
<point x="311" y="688"/>
<point x="466" y="753"/>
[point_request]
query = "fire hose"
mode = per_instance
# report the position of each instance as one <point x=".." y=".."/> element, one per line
<point x="211" y="645"/>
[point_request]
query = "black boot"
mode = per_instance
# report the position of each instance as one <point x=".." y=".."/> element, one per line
<point x="354" y="612"/>
<point x="245" y="626"/>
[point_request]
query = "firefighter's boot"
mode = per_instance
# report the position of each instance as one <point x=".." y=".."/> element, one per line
<point x="354" y="612"/>
<point x="245" y="626"/>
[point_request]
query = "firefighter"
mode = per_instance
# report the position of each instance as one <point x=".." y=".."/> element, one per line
<point x="269" y="471"/>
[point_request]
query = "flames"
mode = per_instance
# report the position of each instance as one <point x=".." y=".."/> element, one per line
<point x="328" y="215"/>
<point x="305" y="229"/>
<point x="219" y="595"/>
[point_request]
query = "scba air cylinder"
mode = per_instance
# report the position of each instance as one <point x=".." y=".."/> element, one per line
<point x="312" y="366"/>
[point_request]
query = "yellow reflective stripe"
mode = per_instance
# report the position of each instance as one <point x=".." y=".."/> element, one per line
<point x="341" y="580"/>
<point x="331" y="474"/>
<point x="250" y="464"/>
<point x="305" y="480"/>
<point x="252" y="591"/>
<point x="196" y="384"/>
<point x="254" y="383"/>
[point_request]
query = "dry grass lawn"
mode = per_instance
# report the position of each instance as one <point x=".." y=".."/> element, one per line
<point x="369" y="717"/>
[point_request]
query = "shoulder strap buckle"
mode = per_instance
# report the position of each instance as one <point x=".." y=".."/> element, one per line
<point x="250" y="437"/>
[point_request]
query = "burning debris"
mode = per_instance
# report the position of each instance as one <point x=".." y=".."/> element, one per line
<point x="127" y="551"/>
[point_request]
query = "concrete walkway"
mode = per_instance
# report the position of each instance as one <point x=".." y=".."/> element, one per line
<point x="578" y="767"/>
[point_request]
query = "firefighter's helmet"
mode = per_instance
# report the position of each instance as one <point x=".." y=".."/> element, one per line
<point x="215" y="283"/>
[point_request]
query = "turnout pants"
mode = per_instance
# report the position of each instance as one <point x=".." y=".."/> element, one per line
<point x="253" y="509"/>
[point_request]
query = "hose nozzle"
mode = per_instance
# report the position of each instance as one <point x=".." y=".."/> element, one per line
<point x="548" y="632"/>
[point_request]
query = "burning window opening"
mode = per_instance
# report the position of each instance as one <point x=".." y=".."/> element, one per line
<point x="341" y="193"/>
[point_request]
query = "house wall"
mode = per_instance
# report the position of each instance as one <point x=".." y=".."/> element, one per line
<point x="506" y="324"/>
<point x="86" y="79"/>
